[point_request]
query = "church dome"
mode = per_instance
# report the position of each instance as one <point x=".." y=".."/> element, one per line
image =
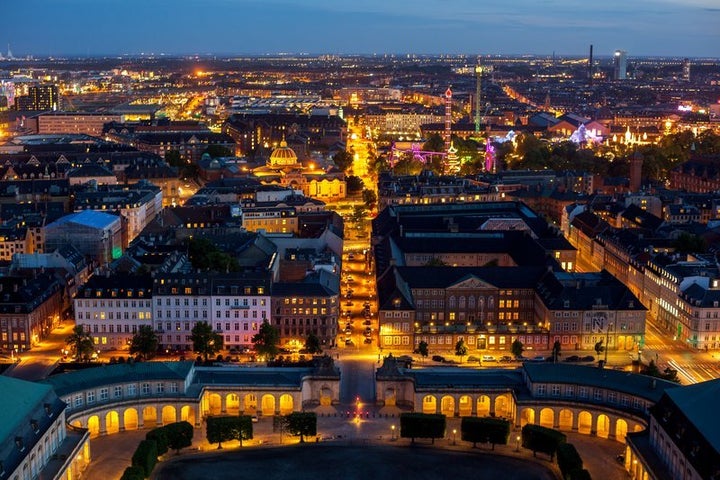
<point x="283" y="156"/>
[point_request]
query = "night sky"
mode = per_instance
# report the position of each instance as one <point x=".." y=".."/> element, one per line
<point x="98" y="27"/>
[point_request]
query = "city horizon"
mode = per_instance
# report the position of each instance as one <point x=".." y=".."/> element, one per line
<point x="674" y="28"/>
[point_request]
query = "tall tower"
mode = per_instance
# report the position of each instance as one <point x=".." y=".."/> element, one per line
<point x="620" y="65"/>
<point x="448" y="119"/>
<point x="636" y="162"/>
<point x="9" y="55"/>
<point x="686" y="69"/>
<point x="590" y="66"/>
<point x="478" y="95"/>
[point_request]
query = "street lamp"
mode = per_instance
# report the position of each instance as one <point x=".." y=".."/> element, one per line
<point x="392" y="434"/>
<point x="517" y="443"/>
<point x="454" y="433"/>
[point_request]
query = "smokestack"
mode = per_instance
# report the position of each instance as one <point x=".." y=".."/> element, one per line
<point x="590" y="66"/>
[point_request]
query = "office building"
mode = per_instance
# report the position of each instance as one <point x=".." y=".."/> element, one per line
<point x="620" y="65"/>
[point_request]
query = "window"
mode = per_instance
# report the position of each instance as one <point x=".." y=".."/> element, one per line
<point x="78" y="400"/>
<point x="555" y="390"/>
<point x="583" y="392"/>
<point x="598" y="395"/>
<point x="118" y="391"/>
<point x="569" y="391"/>
<point x="90" y="397"/>
<point x="145" y="389"/>
<point x="173" y="387"/>
<point x="541" y="390"/>
<point x="103" y="394"/>
<point x="160" y="388"/>
<point x="131" y="390"/>
<point x="612" y="397"/>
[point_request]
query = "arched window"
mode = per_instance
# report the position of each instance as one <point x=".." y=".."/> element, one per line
<point x="461" y="302"/>
<point x="451" y="302"/>
<point x="471" y="302"/>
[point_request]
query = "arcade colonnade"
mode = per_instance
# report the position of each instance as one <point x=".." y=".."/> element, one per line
<point x="588" y="419"/>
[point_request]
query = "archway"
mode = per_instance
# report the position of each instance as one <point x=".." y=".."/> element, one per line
<point x="603" y="426"/>
<point x="638" y="428"/>
<point x="585" y="420"/>
<point x="429" y="404"/>
<point x="547" y="417"/>
<point x="286" y="404"/>
<point x="214" y="404"/>
<point x="390" y="400"/>
<point x="565" y="419"/>
<point x="76" y="423"/>
<point x="527" y="415"/>
<point x="112" y="422"/>
<point x="169" y="414"/>
<point x="250" y="404"/>
<point x="502" y="406"/>
<point x="130" y="419"/>
<point x="447" y="406"/>
<point x="187" y="414"/>
<point x="268" y="405"/>
<point x="326" y="396"/>
<point x="149" y="417"/>
<point x="483" y="406"/>
<point x="621" y="429"/>
<point x="465" y="406"/>
<point x="232" y="403"/>
<point x="93" y="426"/>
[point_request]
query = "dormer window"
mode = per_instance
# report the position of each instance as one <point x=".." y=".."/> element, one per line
<point x="19" y="444"/>
<point x="35" y="426"/>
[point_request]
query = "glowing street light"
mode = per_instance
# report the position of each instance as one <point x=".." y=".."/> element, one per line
<point x="392" y="430"/>
<point x="517" y="443"/>
<point x="454" y="433"/>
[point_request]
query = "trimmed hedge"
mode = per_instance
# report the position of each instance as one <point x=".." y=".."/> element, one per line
<point x="541" y="439"/>
<point x="568" y="460"/>
<point x="179" y="435"/>
<point x="145" y="456"/>
<point x="485" y="429"/>
<point x="159" y="435"/>
<point x="422" y="425"/>
<point x="133" y="473"/>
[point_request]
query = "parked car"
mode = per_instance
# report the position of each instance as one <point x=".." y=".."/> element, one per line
<point x="438" y="358"/>
<point x="506" y="358"/>
<point x="538" y="358"/>
<point x="349" y="342"/>
<point x="488" y="358"/>
<point x="588" y="358"/>
<point x="572" y="358"/>
<point x="367" y="340"/>
<point x="367" y="322"/>
<point x="348" y="330"/>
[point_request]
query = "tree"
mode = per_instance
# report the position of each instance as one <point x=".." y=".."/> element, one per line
<point x="343" y="160"/>
<point x="205" y="255"/>
<point x="265" y="342"/>
<point x="354" y="184"/>
<point x="312" y="344"/>
<point x="517" y="349"/>
<point x="144" y="342"/>
<point x="688" y="243"/>
<point x="423" y="349"/>
<point x="173" y="158"/>
<point x="422" y="425"/>
<point x="301" y="424"/>
<point x="461" y="349"/>
<point x="145" y="456"/>
<point x="487" y="429"/>
<point x="219" y="429"/>
<point x="556" y="350"/>
<point x="652" y="370"/>
<point x="435" y="262"/>
<point x="179" y="435"/>
<point x="541" y="439"/>
<point x="434" y="143"/>
<point x="205" y="341"/>
<point x="81" y="344"/>
<point x="216" y="151"/>
<point x="599" y="347"/>
<point x="369" y="198"/>
<point x="568" y="459"/>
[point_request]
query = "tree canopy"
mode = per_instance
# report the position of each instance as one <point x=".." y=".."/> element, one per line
<point x="205" y="341"/>
<point x="266" y="341"/>
<point x="343" y="160"/>
<point x="144" y="342"/>
<point x="81" y="344"/>
<point x="301" y="424"/>
<point x="205" y="255"/>
<point x="312" y="344"/>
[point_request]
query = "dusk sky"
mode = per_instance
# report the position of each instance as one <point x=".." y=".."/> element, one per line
<point x="97" y="27"/>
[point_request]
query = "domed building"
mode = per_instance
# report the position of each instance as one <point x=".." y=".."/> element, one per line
<point x="284" y="168"/>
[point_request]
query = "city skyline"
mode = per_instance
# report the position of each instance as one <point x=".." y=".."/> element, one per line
<point x="250" y="27"/>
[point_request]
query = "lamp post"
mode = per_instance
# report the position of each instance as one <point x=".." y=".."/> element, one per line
<point x="392" y="434"/>
<point x="517" y="443"/>
<point x="454" y="433"/>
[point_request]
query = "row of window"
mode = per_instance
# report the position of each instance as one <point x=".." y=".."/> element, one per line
<point x="598" y="394"/>
<point x="119" y="391"/>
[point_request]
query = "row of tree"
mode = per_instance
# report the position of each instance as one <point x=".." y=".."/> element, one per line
<point x="174" y="436"/>
<point x="228" y="428"/>
<point x="206" y="342"/>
